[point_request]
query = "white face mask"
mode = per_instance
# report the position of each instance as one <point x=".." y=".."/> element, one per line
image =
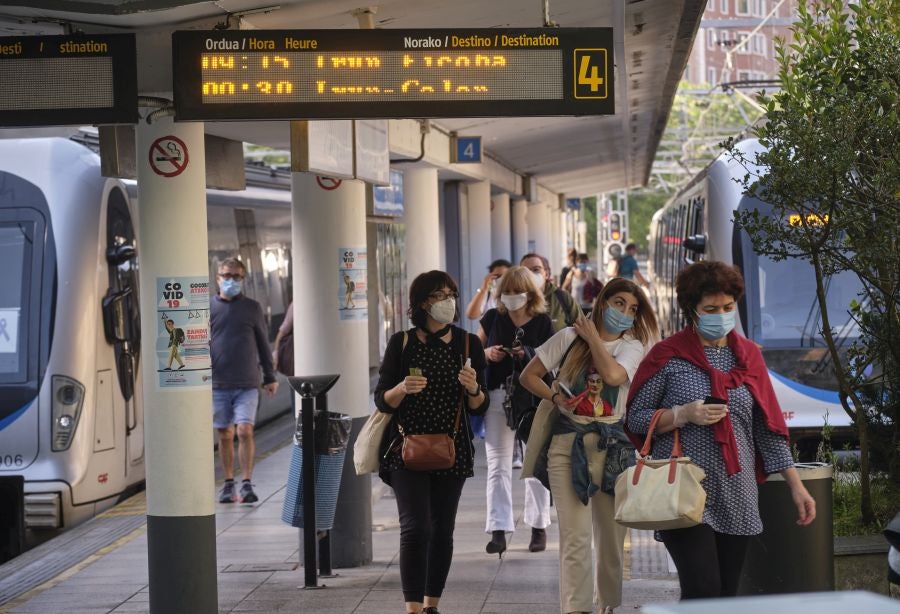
<point x="443" y="311"/>
<point x="514" y="301"/>
<point x="539" y="280"/>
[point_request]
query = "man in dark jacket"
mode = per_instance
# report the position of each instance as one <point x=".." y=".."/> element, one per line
<point x="239" y="347"/>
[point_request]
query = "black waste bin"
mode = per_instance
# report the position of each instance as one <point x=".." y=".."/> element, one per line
<point x="332" y="432"/>
<point x="785" y="557"/>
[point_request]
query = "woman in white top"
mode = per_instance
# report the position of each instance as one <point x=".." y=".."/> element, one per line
<point x="596" y="358"/>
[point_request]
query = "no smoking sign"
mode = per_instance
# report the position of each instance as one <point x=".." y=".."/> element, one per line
<point x="168" y="156"/>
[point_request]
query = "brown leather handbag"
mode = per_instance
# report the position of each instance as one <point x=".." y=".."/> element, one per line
<point x="433" y="451"/>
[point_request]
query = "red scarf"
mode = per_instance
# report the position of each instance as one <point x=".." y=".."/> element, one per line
<point x="750" y="370"/>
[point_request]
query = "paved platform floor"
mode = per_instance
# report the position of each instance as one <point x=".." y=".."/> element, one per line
<point x="257" y="554"/>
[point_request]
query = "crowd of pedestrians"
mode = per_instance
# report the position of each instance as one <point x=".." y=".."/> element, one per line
<point x="576" y="371"/>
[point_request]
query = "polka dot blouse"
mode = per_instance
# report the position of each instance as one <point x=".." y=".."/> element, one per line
<point x="732" y="505"/>
<point x="434" y="409"/>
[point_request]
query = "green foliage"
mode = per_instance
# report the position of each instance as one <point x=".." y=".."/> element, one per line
<point x="831" y="173"/>
<point x="642" y="204"/>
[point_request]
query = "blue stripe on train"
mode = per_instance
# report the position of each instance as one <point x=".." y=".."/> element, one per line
<point x="5" y="422"/>
<point x="827" y="396"/>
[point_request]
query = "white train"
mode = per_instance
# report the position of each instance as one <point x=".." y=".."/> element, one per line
<point x="779" y="310"/>
<point x="71" y="421"/>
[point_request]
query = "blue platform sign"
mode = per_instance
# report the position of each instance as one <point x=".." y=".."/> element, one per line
<point x="573" y="203"/>
<point x="467" y="150"/>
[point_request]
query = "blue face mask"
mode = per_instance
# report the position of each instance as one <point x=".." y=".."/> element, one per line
<point x="616" y="322"/>
<point x="230" y="288"/>
<point x="582" y="266"/>
<point x="715" y="325"/>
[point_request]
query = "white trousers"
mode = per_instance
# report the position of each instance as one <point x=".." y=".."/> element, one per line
<point x="498" y="442"/>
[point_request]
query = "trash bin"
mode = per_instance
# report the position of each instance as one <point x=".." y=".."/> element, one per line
<point x="785" y="557"/>
<point x="332" y="431"/>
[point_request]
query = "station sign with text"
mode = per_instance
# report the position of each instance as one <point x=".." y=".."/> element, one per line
<point x="68" y="80"/>
<point x="333" y="74"/>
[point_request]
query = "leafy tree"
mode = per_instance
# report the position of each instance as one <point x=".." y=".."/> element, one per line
<point x="831" y="175"/>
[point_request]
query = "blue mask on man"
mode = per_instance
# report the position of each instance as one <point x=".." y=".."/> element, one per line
<point x="616" y="322"/>
<point x="714" y="326"/>
<point x="230" y="288"/>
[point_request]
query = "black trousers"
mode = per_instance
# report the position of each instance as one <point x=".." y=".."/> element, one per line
<point x="427" y="507"/>
<point x="709" y="563"/>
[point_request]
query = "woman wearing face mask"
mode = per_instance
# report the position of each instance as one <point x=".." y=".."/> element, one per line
<point x="578" y="281"/>
<point x="597" y="359"/>
<point x="424" y="376"/>
<point x="510" y="333"/>
<point x="739" y="437"/>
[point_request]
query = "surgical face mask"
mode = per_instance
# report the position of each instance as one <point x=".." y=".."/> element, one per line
<point x="539" y="280"/>
<point x="715" y="325"/>
<point x="582" y="266"/>
<point x="443" y="311"/>
<point x="514" y="301"/>
<point x="616" y="322"/>
<point x="230" y="288"/>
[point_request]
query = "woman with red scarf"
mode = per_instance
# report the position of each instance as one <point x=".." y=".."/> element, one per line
<point x="734" y="441"/>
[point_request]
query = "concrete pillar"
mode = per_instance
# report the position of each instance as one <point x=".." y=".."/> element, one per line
<point x="423" y="239"/>
<point x="519" y="229"/>
<point x="479" y="235"/>
<point x="538" y="228"/>
<point x="501" y="229"/>
<point x="555" y="245"/>
<point x="173" y="255"/>
<point x="329" y="237"/>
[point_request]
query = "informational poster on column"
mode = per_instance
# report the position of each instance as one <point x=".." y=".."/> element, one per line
<point x="352" y="285"/>
<point x="182" y="332"/>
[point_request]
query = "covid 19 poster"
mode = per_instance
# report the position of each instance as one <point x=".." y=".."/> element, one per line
<point x="352" y="283"/>
<point x="182" y="332"/>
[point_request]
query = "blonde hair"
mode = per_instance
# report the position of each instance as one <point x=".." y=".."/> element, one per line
<point x="517" y="280"/>
<point x="645" y="328"/>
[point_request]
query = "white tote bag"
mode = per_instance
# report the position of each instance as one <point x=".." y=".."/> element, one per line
<point x="660" y="494"/>
<point x="367" y="449"/>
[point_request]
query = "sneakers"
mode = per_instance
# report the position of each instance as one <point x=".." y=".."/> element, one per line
<point x="247" y="494"/>
<point x="227" y="495"/>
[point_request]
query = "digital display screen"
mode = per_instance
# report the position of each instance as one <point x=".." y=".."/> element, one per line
<point x="59" y="80"/>
<point x="330" y="74"/>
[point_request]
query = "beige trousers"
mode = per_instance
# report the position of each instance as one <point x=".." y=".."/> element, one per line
<point x="580" y="526"/>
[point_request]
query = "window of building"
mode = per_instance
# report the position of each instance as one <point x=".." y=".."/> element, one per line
<point x="744" y="75"/>
<point x="710" y="38"/>
<point x="711" y="76"/>
<point x="710" y="5"/>
<point x="742" y="7"/>
<point x="740" y="39"/>
<point x="723" y="6"/>
<point x="758" y="44"/>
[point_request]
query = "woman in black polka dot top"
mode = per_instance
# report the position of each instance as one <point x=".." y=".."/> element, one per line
<point x="424" y="376"/>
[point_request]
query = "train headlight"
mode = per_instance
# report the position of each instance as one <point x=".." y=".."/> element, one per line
<point x="68" y="398"/>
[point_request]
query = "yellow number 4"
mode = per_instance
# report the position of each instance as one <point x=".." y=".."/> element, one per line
<point x="589" y="75"/>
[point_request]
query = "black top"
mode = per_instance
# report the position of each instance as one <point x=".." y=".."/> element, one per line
<point x="434" y="409"/>
<point x="500" y="330"/>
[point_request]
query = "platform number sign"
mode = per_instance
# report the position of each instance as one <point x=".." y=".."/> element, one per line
<point x="591" y="79"/>
<point x="466" y="149"/>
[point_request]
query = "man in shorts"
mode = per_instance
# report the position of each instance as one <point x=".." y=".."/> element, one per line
<point x="239" y="347"/>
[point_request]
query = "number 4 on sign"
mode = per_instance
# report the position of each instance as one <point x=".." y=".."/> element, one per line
<point x="594" y="80"/>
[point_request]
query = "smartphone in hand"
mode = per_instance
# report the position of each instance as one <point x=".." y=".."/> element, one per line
<point x="714" y="401"/>
<point x="415" y="371"/>
<point x="565" y="390"/>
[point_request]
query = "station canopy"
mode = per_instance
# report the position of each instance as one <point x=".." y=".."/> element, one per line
<point x="575" y="156"/>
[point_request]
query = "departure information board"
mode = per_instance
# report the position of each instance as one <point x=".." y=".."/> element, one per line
<point x="61" y="80"/>
<point x="330" y="74"/>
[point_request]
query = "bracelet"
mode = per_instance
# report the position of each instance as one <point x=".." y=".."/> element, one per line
<point x="553" y="396"/>
<point x="477" y="392"/>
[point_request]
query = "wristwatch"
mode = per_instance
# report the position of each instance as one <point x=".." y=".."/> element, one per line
<point x="476" y="393"/>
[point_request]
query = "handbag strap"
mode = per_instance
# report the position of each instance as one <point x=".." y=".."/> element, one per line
<point x="648" y="440"/>
<point x="462" y="393"/>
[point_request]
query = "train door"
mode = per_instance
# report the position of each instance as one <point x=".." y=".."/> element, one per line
<point x="122" y="318"/>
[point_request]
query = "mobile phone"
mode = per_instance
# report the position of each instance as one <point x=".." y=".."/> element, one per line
<point x="565" y="390"/>
<point x="468" y="362"/>
<point x="415" y="371"/>
<point x="714" y="401"/>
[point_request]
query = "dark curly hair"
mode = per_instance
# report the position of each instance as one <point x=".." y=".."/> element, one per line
<point x="706" y="277"/>
<point x="419" y="290"/>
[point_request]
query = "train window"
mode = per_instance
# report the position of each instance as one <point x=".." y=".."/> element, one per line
<point x="16" y="240"/>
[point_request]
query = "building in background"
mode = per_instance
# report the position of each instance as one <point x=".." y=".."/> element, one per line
<point x="736" y="42"/>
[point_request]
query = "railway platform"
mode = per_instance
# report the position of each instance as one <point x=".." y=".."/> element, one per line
<point x="258" y="567"/>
